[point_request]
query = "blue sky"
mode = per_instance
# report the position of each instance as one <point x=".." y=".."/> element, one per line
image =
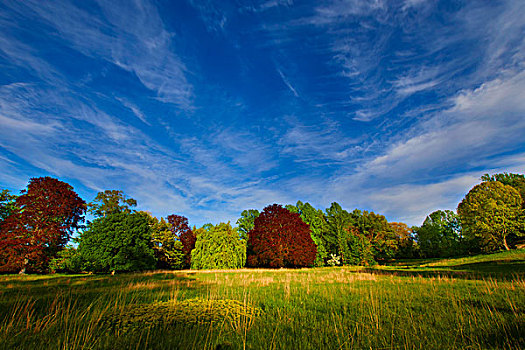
<point x="206" y="108"/>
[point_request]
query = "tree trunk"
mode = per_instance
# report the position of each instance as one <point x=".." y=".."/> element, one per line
<point x="505" y="243"/>
<point x="23" y="271"/>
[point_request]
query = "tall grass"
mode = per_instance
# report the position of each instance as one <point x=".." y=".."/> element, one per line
<point x="333" y="308"/>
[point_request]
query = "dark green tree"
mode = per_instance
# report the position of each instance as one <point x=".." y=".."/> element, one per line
<point x="316" y="219"/>
<point x="338" y="222"/>
<point x="168" y="248"/>
<point x="440" y="235"/>
<point x="118" y="242"/>
<point x="489" y="213"/>
<point x="109" y="202"/>
<point x="379" y="232"/>
<point x="218" y="247"/>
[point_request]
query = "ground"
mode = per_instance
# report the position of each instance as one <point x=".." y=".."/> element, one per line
<point x="469" y="303"/>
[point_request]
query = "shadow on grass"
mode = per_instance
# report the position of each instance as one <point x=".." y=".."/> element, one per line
<point x="498" y="269"/>
<point x="86" y="284"/>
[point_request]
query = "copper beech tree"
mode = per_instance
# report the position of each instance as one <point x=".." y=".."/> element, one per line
<point x="48" y="213"/>
<point x="280" y="238"/>
<point x="181" y="230"/>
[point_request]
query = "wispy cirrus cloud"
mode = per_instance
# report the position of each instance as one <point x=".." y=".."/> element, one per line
<point x="129" y="35"/>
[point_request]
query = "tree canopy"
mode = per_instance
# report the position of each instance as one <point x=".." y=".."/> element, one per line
<point x="111" y="201"/>
<point x="490" y="212"/>
<point x="182" y="231"/>
<point x="440" y="235"/>
<point x="49" y="212"/>
<point x="280" y="238"/>
<point x="218" y="247"/>
<point x="246" y="222"/>
<point x="118" y="242"/>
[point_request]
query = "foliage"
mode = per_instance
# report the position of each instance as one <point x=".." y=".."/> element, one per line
<point x="489" y="213"/>
<point x="167" y="247"/>
<point x="181" y="230"/>
<point x="406" y="246"/>
<point x="316" y="219"/>
<point x="280" y="239"/>
<point x="109" y="202"/>
<point x="379" y="232"/>
<point x="517" y="181"/>
<point x="50" y="211"/>
<point x="118" y="242"/>
<point x="246" y="222"/>
<point x="514" y="180"/>
<point x="67" y="260"/>
<point x="7" y="204"/>
<point x="337" y="233"/>
<point x="218" y="248"/>
<point x="440" y="235"/>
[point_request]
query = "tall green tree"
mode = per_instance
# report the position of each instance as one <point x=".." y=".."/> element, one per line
<point x="218" y="247"/>
<point x="119" y="242"/>
<point x="316" y="219"/>
<point x="109" y="202"/>
<point x="246" y="222"/>
<point x="490" y="212"/>
<point x="517" y="181"/>
<point x="440" y="235"/>
<point x="379" y="232"/>
<point x="338" y="222"/>
<point x="168" y="248"/>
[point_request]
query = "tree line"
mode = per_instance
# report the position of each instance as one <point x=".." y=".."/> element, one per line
<point x="37" y="225"/>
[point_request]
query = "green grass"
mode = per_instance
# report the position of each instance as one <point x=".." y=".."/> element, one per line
<point x="469" y="303"/>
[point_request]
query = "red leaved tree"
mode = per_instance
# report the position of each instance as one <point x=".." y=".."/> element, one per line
<point x="181" y="230"/>
<point x="280" y="238"/>
<point x="48" y="213"/>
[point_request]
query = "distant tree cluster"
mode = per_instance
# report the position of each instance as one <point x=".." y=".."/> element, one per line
<point x="491" y="217"/>
<point x="36" y="226"/>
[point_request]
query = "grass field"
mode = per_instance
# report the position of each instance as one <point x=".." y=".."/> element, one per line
<point x="468" y="303"/>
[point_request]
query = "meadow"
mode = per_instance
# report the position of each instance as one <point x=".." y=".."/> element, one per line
<point x="468" y="303"/>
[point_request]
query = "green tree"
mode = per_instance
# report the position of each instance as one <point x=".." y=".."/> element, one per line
<point x="111" y="201"/>
<point x="440" y="235"/>
<point x="67" y="260"/>
<point x="168" y="248"/>
<point x="338" y="222"/>
<point x="379" y="232"/>
<point x="118" y="242"/>
<point x="517" y="181"/>
<point x="218" y="247"/>
<point x="514" y="180"/>
<point x="246" y="222"/>
<point x="490" y="212"/>
<point x="7" y="204"/>
<point x="316" y="219"/>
